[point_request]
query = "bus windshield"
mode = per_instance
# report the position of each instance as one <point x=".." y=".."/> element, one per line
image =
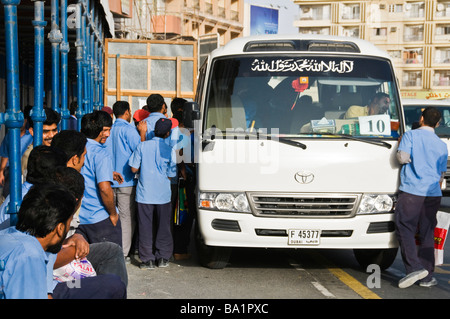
<point x="306" y="96"/>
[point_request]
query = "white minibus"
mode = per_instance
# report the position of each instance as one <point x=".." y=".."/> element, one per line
<point x="281" y="163"/>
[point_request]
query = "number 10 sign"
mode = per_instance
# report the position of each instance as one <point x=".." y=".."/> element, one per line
<point x="375" y="125"/>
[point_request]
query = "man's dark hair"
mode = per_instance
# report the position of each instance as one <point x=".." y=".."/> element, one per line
<point x="42" y="162"/>
<point x="104" y="119"/>
<point x="73" y="107"/>
<point x="71" y="142"/>
<point x="92" y="123"/>
<point x="379" y="95"/>
<point x="71" y="179"/>
<point x="26" y="114"/>
<point x="155" y="103"/>
<point x="43" y="208"/>
<point x="51" y="117"/>
<point x="177" y="108"/>
<point x="431" y="116"/>
<point x="177" y="104"/>
<point x="120" y="107"/>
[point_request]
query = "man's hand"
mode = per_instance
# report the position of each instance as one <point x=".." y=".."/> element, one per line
<point x="118" y="177"/>
<point x="2" y="178"/>
<point x="3" y="163"/>
<point x="142" y="128"/>
<point x="107" y="195"/>
<point x="114" y="218"/>
<point x="80" y="244"/>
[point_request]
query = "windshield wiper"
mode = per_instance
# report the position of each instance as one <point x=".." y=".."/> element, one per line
<point x="208" y="143"/>
<point x="280" y="139"/>
<point x="359" y="139"/>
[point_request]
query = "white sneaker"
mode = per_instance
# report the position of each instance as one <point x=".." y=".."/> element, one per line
<point x="431" y="283"/>
<point x="411" y="278"/>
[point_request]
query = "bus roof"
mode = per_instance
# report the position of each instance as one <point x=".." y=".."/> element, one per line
<point x="299" y="43"/>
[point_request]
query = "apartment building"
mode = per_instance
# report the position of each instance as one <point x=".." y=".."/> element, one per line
<point x="182" y="19"/>
<point x="415" y="33"/>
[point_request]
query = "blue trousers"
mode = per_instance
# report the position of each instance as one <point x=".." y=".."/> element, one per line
<point x="111" y="281"/>
<point x="107" y="286"/>
<point x="107" y="258"/>
<point x="416" y="215"/>
<point x="102" y="231"/>
<point x="155" y="235"/>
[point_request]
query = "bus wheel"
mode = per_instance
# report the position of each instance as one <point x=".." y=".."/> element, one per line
<point x="381" y="257"/>
<point x="213" y="257"/>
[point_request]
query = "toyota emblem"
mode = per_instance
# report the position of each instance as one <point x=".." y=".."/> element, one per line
<point x="304" y="177"/>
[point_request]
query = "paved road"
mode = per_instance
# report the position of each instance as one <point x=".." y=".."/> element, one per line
<point x="280" y="274"/>
<point x="261" y="274"/>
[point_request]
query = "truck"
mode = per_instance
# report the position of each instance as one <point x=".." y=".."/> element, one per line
<point x="279" y="163"/>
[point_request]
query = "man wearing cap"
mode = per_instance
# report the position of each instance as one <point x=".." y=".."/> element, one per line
<point x="139" y="116"/>
<point x="156" y="161"/>
<point x="122" y="142"/>
<point x="108" y="110"/>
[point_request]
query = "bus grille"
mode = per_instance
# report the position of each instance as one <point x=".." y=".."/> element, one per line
<point x="303" y="205"/>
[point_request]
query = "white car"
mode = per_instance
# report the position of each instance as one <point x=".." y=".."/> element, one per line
<point x="413" y="110"/>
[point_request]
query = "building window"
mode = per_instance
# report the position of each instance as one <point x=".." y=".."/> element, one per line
<point x="413" y="33"/>
<point x="319" y="12"/>
<point x="441" y="78"/>
<point x="413" y="56"/>
<point x="412" y="78"/>
<point x="395" y="54"/>
<point x="324" y="31"/>
<point x="395" y="8"/>
<point x="442" y="55"/>
<point x="351" y="32"/>
<point x="442" y="9"/>
<point x="415" y="9"/>
<point x="379" y="32"/>
<point x="442" y="29"/>
<point x="350" y="12"/>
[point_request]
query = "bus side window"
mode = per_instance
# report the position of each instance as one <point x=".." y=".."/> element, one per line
<point x="201" y="83"/>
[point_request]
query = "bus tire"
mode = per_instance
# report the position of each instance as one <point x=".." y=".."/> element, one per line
<point x="381" y="257"/>
<point x="213" y="257"/>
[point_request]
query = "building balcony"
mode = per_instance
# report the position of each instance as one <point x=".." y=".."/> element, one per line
<point x="166" y="24"/>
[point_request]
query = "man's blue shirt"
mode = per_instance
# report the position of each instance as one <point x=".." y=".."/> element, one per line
<point x="175" y="138"/>
<point x="157" y="163"/>
<point x="151" y="121"/>
<point x="23" y="266"/>
<point x="25" y="141"/>
<point x="121" y="143"/>
<point x="97" y="168"/>
<point x="72" y="123"/>
<point x="4" y="217"/>
<point x="428" y="161"/>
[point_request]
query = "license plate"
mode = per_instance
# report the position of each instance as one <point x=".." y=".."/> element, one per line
<point x="303" y="237"/>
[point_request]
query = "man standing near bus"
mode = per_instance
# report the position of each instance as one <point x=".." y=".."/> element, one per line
<point x="424" y="159"/>
<point x="99" y="218"/>
<point x="122" y="143"/>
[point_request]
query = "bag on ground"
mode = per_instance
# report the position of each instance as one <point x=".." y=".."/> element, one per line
<point x="440" y="235"/>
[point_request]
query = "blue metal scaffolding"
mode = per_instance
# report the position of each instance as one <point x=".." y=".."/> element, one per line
<point x="89" y="46"/>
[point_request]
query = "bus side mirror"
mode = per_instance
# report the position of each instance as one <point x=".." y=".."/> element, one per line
<point x="191" y="113"/>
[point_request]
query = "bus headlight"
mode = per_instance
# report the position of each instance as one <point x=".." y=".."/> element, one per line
<point x="230" y="202"/>
<point x="373" y="204"/>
